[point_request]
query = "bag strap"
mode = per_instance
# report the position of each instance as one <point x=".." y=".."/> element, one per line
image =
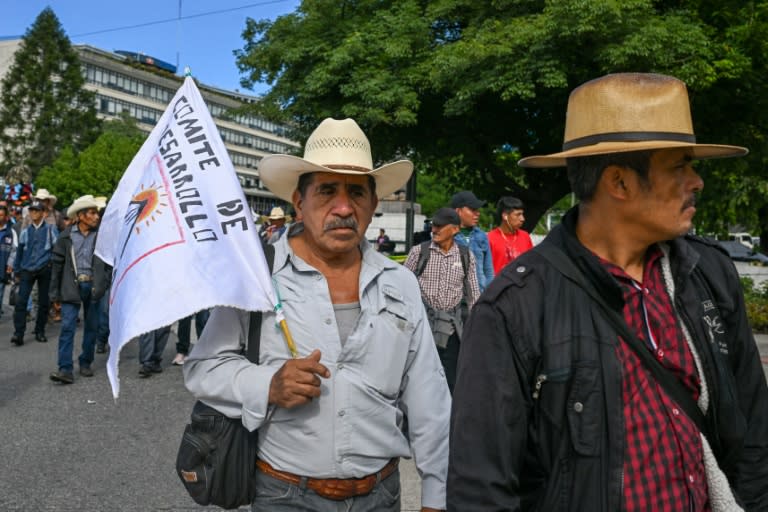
<point x="464" y="254"/>
<point x="424" y="251"/>
<point x="254" y="322"/>
<point x="557" y="258"/>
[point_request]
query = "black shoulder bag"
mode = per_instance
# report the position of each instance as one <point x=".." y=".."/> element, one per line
<point x="682" y="396"/>
<point x="217" y="455"/>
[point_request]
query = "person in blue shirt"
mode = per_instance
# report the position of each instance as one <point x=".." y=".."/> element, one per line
<point x="467" y="205"/>
<point x="8" y="243"/>
<point x="33" y="265"/>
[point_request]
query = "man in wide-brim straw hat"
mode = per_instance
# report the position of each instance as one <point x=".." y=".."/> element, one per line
<point x="331" y="422"/>
<point x="74" y="276"/>
<point x="51" y="215"/>
<point x="612" y="367"/>
<point x="276" y="227"/>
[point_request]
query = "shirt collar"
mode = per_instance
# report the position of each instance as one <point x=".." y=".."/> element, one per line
<point x="372" y="259"/>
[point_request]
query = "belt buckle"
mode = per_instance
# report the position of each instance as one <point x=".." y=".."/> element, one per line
<point x="83" y="278"/>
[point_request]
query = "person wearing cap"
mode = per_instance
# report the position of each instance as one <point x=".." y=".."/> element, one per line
<point x="448" y="282"/>
<point x="467" y="205"/>
<point x="553" y="409"/>
<point x="367" y="386"/>
<point x="33" y="266"/>
<point x="508" y="240"/>
<point x="73" y="279"/>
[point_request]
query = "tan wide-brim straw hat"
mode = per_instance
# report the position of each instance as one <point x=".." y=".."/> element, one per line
<point x="82" y="203"/>
<point x="629" y="112"/>
<point x="337" y="146"/>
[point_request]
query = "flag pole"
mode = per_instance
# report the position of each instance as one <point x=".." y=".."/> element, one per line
<point x="288" y="338"/>
<point x="280" y="320"/>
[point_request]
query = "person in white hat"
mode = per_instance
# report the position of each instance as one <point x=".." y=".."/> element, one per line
<point x="52" y="215"/>
<point x="612" y="366"/>
<point x="75" y="271"/>
<point x="276" y="225"/>
<point x="368" y="386"/>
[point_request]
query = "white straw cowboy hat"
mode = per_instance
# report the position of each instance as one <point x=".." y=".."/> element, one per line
<point x="82" y="203"/>
<point x="337" y="146"/>
<point x="43" y="194"/>
<point x="277" y="213"/>
<point x="629" y="112"/>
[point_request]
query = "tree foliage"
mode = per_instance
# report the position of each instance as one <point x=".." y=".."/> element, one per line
<point x="454" y="84"/>
<point x="44" y="106"/>
<point x="97" y="169"/>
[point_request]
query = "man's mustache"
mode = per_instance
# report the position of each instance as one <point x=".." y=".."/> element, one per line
<point x="346" y="222"/>
<point x="690" y="202"/>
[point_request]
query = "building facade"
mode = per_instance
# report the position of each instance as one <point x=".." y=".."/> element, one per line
<point x="142" y="87"/>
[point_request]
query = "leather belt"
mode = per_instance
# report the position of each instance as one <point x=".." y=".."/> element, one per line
<point x="84" y="278"/>
<point x="333" y="488"/>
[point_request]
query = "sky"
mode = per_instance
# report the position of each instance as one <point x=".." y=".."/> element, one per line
<point x="203" y="39"/>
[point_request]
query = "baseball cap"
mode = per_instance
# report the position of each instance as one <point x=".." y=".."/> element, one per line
<point x="445" y="216"/>
<point x="36" y="205"/>
<point x="466" y="198"/>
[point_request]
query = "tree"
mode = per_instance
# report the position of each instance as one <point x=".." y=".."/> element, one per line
<point x="465" y="86"/>
<point x="97" y="169"/>
<point x="44" y="105"/>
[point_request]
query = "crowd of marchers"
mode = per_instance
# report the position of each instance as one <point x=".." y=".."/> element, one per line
<point x="610" y="367"/>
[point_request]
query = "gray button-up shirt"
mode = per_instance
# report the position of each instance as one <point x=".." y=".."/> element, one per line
<point x="388" y="368"/>
<point x="83" y="246"/>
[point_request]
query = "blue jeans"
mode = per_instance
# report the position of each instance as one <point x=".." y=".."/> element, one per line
<point x="69" y="312"/>
<point x="27" y="280"/>
<point x="273" y="495"/>
<point x="185" y="328"/>
<point x="2" y="296"/>
<point x="152" y="345"/>
<point x="102" y="331"/>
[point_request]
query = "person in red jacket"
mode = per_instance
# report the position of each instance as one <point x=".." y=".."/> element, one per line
<point x="508" y="241"/>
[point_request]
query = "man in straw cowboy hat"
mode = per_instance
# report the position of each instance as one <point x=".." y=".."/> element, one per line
<point x="612" y="366"/>
<point x="74" y="276"/>
<point x="332" y="423"/>
<point x="276" y="225"/>
<point x="51" y="214"/>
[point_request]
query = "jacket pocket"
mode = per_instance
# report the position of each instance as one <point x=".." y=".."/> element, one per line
<point x="584" y="410"/>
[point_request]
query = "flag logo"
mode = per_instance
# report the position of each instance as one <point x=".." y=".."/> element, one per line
<point x="179" y="217"/>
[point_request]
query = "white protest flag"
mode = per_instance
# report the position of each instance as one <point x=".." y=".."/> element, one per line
<point x="178" y="230"/>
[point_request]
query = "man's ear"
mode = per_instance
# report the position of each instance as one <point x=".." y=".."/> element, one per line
<point x="616" y="180"/>
<point x="296" y="199"/>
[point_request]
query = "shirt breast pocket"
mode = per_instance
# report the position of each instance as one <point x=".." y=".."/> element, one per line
<point x="387" y="349"/>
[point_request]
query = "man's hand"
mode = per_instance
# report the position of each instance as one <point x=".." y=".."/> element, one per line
<point x="297" y="382"/>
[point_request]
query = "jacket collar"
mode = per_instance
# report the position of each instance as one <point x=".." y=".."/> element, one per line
<point x="564" y="236"/>
<point x="683" y="258"/>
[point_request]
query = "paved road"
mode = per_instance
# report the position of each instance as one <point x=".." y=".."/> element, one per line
<point x="73" y="448"/>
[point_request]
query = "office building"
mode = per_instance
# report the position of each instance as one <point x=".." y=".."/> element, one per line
<point x="142" y="86"/>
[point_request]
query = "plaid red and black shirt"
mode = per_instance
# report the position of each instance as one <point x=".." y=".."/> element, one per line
<point x="663" y="459"/>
